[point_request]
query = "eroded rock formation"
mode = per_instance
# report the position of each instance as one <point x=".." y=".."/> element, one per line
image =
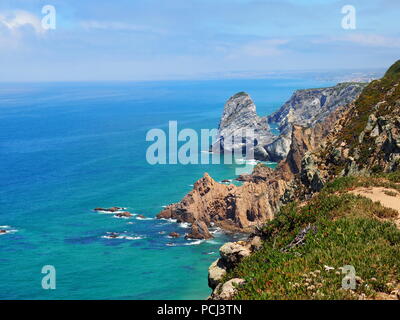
<point x="239" y="115"/>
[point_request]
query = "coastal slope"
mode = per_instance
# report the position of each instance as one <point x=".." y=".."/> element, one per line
<point x="330" y="222"/>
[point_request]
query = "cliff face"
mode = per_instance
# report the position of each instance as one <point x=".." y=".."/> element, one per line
<point x="365" y="138"/>
<point x="240" y="114"/>
<point x="307" y="108"/>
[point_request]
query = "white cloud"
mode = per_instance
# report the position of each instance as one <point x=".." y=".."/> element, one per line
<point x="18" y="19"/>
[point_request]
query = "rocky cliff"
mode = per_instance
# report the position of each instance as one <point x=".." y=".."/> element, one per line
<point x="356" y="146"/>
<point x="307" y="108"/>
<point x="358" y="138"/>
<point x="233" y="208"/>
<point x="238" y="115"/>
<point x="365" y="138"/>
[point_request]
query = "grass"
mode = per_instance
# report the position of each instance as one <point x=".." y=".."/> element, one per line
<point x="347" y="230"/>
<point x="390" y="193"/>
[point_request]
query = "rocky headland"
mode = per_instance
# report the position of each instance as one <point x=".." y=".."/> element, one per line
<point x="337" y="168"/>
<point x="352" y="142"/>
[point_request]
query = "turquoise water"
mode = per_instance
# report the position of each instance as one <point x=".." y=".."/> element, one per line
<point x="66" y="148"/>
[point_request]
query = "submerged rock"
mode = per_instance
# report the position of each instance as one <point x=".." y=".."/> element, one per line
<point x="112" y="209"/>
<point x="174" y="235"/>
<point x="124" y="214"/>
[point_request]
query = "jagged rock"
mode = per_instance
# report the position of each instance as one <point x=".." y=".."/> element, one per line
<point x="233" y="252"/>
<point x="233" y="208"/>
<point x="216" y="272"/>
<point x="279" y="149"/>
<point x="302" y="142"/>
<point x="239" y="115"/>
<point x="174" y="235"/>
<point x="124" y="214"/>
<point x="306" y="107"/>
<point x="261" y="154"/>
<point x="310" y="175"/>
<point x="227" y="290"/>
<point x="199" y="230"/>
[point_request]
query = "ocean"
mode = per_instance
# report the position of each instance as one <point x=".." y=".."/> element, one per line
<point x="66" y="148"/>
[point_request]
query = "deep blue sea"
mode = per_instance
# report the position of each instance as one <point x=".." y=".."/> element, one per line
<point x="66" y="148"/>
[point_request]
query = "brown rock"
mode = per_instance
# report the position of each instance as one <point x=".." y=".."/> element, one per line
<point x="112" y="209"/>
<point x="174" y="235"/>
<point x="199" y="230"/>
<point x="234" y="208"/>
<point x="124" y="214"/>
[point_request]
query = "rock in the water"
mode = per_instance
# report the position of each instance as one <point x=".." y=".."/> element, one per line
<point x="230" y="207"/>
<point x="124" y="214"/>
<point x="199" y="230"/>
<point x="112" y="209"/>
<point x="174" y="235"/>
<point x="238" y="116"/>
<point x="233" y="252"/>
<point x="216" y="272"/>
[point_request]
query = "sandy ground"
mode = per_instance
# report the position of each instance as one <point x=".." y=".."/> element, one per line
<point x="378" y="194"/>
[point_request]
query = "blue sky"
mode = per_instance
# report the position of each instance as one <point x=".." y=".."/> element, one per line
<point x="189" y="39"/>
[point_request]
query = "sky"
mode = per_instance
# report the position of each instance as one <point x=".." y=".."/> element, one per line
<point x="102" y="40"/>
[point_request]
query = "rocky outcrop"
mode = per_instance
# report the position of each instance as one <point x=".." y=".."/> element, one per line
<point x="199" y="230"/>
<point x="307" y="108"/>
<point x="216" y="273"/>
<point x="365" y="138"/>
<point x="174" y="235"/>
<point x="232" y="253"/>
<point x="233" y="208"/>
<point x="111" y="210"/>
<point x="124" y="214"/>
<point x="227" y="290"/>
<point x="238" y="116"/>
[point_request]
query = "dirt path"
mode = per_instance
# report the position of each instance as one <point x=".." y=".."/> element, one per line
<point x="387" y="197"/>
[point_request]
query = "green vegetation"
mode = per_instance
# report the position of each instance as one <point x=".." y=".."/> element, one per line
<point x="344" y="229"/>
<point x="390" y="193"/>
